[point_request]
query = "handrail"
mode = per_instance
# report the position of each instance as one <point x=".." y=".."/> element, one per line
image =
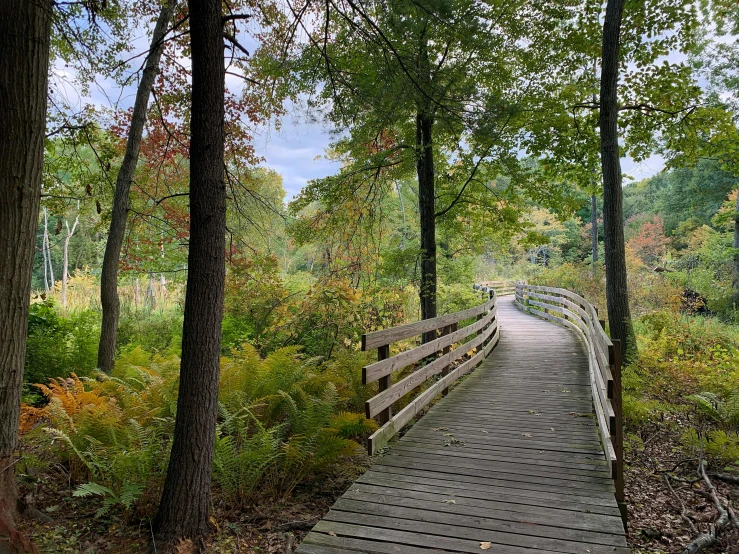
<point x="440" y="356"/>
<point x="501" y="287"/>
<point x="604" y="356"/>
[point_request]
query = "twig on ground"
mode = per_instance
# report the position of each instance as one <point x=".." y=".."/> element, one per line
<point x="723" y="520"/>
<point x="683" y="513"/>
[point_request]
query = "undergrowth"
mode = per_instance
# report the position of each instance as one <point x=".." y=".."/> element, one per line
<point x="284" y="420"/>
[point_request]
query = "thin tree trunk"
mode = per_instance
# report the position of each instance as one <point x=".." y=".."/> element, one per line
<point x="426" y="208"/>
<point x="735" y="276"/>
<point x="109" y="300"/>
<point x="45" y="252"/>
<point x="25" y="34"/>
<point x="136" y="291"/>
<point x="48" y="253"/>
<point x="184" y="508"/>
<point x="150" y="292"/>
<point x="594" y="219"/>
<point x="617" y="296"/>
<point x="402" y="213"/>
<point x="65" y="260"/>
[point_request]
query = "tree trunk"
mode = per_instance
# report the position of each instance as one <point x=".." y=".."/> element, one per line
<point x="25" y="32"/>
<point x="617" y="297"/>
<point x="735" y="276"/>
<point x="45" y="253"/>
<point x="109" y="300"/>
<point x="150" y="296"/>
<point x="184" y="508"/>
<point x="65" y="260"/>
<point x="427" y="209"/>
<point x="594" y="218"/>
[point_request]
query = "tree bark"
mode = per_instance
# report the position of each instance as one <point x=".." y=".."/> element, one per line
<point x="184" y="508"/>
<point x="594" y="218"/>
<point x="617" y="297"/>
<point x="109" y="300"/>
<point x="65" y="259"/>
<point x="427" y="212"/>
<point x="25" y="32"/>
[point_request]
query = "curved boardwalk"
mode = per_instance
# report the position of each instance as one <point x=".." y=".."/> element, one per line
<point x="510" y="457"/>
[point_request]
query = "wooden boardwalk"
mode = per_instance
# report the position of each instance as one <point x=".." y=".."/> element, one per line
<point x="509" y="462"/>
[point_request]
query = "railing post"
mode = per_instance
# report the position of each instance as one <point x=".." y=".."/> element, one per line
<point x="444" y="372"/>
<point x="383" y="353"/>
<point x="618" y="443"/>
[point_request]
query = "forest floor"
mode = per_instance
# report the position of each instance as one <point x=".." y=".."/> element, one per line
<point x="266" y="528"/>
<point x="658" y="510"/>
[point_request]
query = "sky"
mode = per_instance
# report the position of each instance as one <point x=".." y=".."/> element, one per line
<point x="296" y="151"/>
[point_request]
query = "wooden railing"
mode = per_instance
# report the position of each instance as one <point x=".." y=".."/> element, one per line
<point x="440" y="355"/>
<point x="567" y="308"/>
<point x="501" y="288"/>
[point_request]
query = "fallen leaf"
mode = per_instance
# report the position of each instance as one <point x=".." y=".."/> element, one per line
<point x="527" y="435"/>
<point x="449" y="501"/>
<point x="332" y="533"/>
<point x="552" y="428"/>
<point x="484" y="431"/>
<point x="485" y="546"/>
<point x="440" y="429"/>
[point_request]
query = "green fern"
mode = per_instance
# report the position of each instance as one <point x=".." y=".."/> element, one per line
<point x="352" y="425"/>
<point x="724" y="411"/>
<point x="125" y="498"/>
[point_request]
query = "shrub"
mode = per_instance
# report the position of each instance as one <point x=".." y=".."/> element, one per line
<point x="59" y="345"/>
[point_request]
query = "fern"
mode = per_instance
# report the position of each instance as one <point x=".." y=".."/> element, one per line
<point x="125" y="498"/>
<point x="724" y="412"/>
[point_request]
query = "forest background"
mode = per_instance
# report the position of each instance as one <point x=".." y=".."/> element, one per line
<point x="516" y="194"/>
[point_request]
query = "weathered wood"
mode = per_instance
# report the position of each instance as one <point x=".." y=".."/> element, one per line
<point x="618" y="435"/>
<point x="391" y="428"/>
<point x="512" y="455"/>
<point x="371" y="341"/>
<point x="372" y="372"/>
<point x="409" y="383"/>
<point x="383" y="384"/>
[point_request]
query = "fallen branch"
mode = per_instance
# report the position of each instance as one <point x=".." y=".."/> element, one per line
<point x="727" y="478"/>
<point x="305" y="525"/>
<point x="683" y="513"/>
<point x="723" y="521"/>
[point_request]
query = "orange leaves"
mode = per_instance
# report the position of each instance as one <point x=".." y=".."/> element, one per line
<point x="69" y="395"/>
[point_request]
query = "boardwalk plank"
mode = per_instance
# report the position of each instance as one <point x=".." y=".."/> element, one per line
<point x="529" y="477"/>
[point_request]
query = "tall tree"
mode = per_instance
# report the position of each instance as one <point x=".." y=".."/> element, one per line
<point x="432" y="89"/>
<point x="619" y="313"/>
<point x="25" y="35"/>
<point x="185" y="503"/>
<point x="109" y="300"/>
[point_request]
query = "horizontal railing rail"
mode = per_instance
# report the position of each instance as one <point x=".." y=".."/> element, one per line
<point x="604" y="355"/>
<point x="438" y="356"/>
<point x="501" y="288"/>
